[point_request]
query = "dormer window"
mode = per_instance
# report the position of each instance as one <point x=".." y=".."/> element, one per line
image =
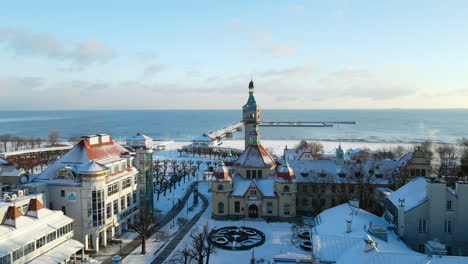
<point x="220" y="187"/>
<point x="64" y="173"/>
<point x="286" y="188"/>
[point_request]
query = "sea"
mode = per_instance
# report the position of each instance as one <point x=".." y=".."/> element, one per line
<point x="395" y="125"/>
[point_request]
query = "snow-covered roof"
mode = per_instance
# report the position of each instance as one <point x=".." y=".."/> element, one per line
<point x="92" y="166"/>
<point x="59" y="253"/>
<point x="2" y="161"/>
<point x="414" y="193"/>
<point x="255" y="156"/>
<point x="221" y="173"/>
<point x="83" y="153"/>
<point x="139" y="137"/>
<point x="332" y="243"/>
<point x="241" y="185"/>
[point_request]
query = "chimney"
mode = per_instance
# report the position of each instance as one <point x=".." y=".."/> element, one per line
<point x="349" y="223"/>
<point x="369" y="244"/>
<point x="354" y="202"/>
<point x="104" y="138"/>
<point x="401" y="218"/>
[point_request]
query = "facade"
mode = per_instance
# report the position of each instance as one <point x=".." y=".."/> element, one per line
<point x="140" y="141"/>
<point x="96" y="184"/>
<point x="426" y="210"/>
<point x="254" y="185"/>
<point x="29" y="232"/>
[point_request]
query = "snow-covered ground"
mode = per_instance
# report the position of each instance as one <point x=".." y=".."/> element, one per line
<point x="277" y="239"/>
<point x="165" y="203"/>
<point x="277" y="146"/>
<point x="163" y="236"/>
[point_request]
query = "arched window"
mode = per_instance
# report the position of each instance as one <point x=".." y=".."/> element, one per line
<point x="220" y="187"/>
<point x="221" y="207"/>
<point x="236" y="206"/>
<point x="286" y="209"/>
<point x="286" y="188"/>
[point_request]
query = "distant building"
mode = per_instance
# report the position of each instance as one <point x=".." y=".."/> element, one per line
<point x="29" y="232"/>
<point x="96" y="184"/>
<point x="205" y="141"/>
<point x="140" y="141"/>
<point x="427" y="210"/>
<point x="11" y="176"/>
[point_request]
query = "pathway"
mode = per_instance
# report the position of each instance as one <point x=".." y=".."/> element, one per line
<point x="166" y="252"/>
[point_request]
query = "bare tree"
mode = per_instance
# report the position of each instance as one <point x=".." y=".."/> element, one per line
<point x="39" y="141"/>
<point x="5" y="139"/>
<point x="316" y="149"/>
<point x="54" y="136"/>
<point x="400" y="177"/>
<point x="143" y="226"/>
<point x="200" y="247"/>
<point x="74" y="139"/>
<point x="448" y="159"/>
<point x="464" y="157"/>
<point x="428" y="147"/>
<point x="358" y="172"/>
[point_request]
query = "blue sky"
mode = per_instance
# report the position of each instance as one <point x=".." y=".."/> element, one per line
<point x="200" y="54"/>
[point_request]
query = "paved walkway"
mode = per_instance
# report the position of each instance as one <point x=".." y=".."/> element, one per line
<point x="131" y="246"/>
<point x="166" y="252"/>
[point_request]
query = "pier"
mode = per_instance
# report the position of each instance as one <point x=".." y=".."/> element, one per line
<point x="304" y="123"/>
<point x="226" y="131"/>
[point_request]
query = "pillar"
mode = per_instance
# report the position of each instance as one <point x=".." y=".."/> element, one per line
<point x="104" y="238"/>
<point x="96" y="243"/>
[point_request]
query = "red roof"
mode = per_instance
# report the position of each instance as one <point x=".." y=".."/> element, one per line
<point x="221" y="173"/>
<point x="102" y="150"/>
<point x="13" y="213"/>
<point x="35" y="205"/>
<point x="285" y="173"/>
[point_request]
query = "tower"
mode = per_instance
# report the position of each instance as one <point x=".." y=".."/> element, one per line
<point x="250" y="115"/>
<point x="144" y="164"/>
<point x="339" y="156"/>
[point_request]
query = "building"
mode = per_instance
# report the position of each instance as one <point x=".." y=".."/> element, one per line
<point x="140" y="141"/>
<point x="255" y="186"/>
<point x="346" y="234"/>
<point x="205" y="141"/>
<point x="11" y="176"/>
<point x="426" y="210"/>
<point x="31" y="233"/>
<point x="96" y="184"/>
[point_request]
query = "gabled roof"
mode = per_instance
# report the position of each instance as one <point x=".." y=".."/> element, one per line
<point x="255" y="156"/>
<point x="265" y="186"/>
<point x="414" y="193"/>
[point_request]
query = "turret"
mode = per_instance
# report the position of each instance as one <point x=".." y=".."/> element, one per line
<point x="339" y="156"/>
<point x="250" y="114"/>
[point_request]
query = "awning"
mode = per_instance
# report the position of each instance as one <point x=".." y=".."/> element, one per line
<point x="59" y="253"/>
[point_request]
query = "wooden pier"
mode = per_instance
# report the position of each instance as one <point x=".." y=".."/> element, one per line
<point x="226" y="131"/>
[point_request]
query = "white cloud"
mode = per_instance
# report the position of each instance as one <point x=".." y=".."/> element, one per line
<point x="283" y="50"/>
<point x="24" y="43"/>
<point x="153" y="69"/>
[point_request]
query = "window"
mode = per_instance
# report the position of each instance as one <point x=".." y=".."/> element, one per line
<point x="51" y="237"/>
<point x="423" y="173"/>
<point x="322" y="188"/>
<point x="126" y="183"/>
<point x="108" y="210"/>
<point x="97" y="205"/>
<point x="248" y="174"/>
<point x="64" y="210"/>
<point x="259" y="174"/>
<point x="5" y="259"/>
<point x="449" y="205"/>
<point x="116" y="207"/>
<point x="221" y="207"/>
<point x="134" y="197"/>
<point x="448" y="226"/>
<point x="286" y="209"/>
<point x="413" y="172"/>
<point x="220" y="187"/>
<point x="253" y="192"/>
<point x="304" y="188"/>
<point x="122" y="203"/>
<point x="269" y="207"/>
<point x="286" y="188"/>
<point x="40" y="242"/>
<point x="236" y="206"/>
<point x="129" y="200"/>
<point x="17" y="254"/>
<point x="29" y="248"/>
<point x="254" y="174"/>
<point x="333" y="188"/>
<point x="422" y="226"/>
<point x="113" y="188"/>
<point x="62" y="193"/>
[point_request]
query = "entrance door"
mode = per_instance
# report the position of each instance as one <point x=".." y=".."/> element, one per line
<point x="253" y="211"/>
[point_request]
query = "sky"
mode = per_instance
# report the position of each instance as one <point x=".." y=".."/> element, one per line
<point x="314" y="54"/>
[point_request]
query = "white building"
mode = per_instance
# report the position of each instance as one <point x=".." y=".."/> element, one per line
<point x="30" y="233"/>
<point x="94" y="183"/>
<point x="140" y="141"/>
<point x="205" y="141"/>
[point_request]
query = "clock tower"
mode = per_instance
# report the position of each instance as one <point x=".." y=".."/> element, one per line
<point x="250" y="115"/>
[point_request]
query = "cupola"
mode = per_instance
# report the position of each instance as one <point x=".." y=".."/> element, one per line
<point x="229" y="160"/>
<point x="285" y="173"/>
<point x="221" y="173"/>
